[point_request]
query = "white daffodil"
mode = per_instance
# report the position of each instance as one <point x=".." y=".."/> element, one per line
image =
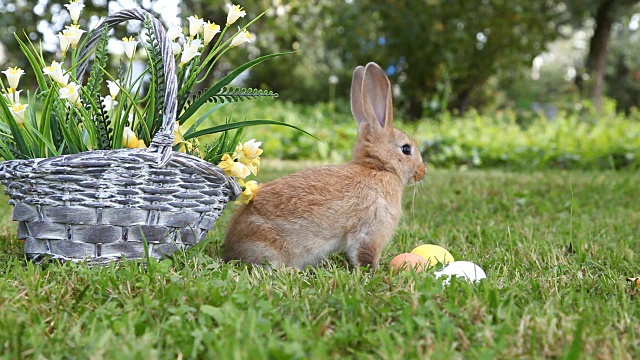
<point x="73" y="32"/>
<point x="235" y="12"/>
<point x="195" y="25"/>
<point x="71" y="93"/>
<point x="174" y="32"/>
<point x="251" y="148"/>
<point x="210" y="30"/>
<point x="243" y="37"/>
<point x="74" y="7"/>
<point x="56" y="73"/>
<point x="18" y="111"/>
<point x="114" y="88"/>
<point x="13" y="76"/>
<point x="65" y="41"/>
<point x="176" y="48"/>
<point x="13" y="96"/>
<point x="190" y="51"/>
<point x="129" y="44"/>
<point x="108" y="103"/>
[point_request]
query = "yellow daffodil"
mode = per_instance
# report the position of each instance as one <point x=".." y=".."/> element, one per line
<point x="233" y="168"/>
<point x="252" y="164"/>
<point x="129" y="138"/>
<point x="114" y="88"/>
<point x="243" y="37"/>
<point x="13" y="76"/>
<point x="141" y="144"/>
<point x="74" y="7"/>
<point x="71" y="93"/>
<point x="249" y="190"/>
<point x="251" y="149"/>
<point x="190" y="51"/>
<point x="178" y="139"/>
<point x="73" y="32"/>
<point x="235" y="12"/>
<point x="129" y="44"/>
<point x="210" y="30"/>
<point x="195" y="25"/>
<point x="56" y="73"/>
<point x="18" y="112"/>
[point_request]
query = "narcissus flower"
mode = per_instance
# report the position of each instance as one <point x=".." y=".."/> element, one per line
<point x="13" y="76"/>
<point x="176" y="48"/>
<point x="251" y="148"/>
<point x="18" y="112"/>
<point x="250" y="188"/>
<point x="65" y="41"/>
<point x="74" y="7"/>
<point x="190" y="51"/>
<point x="114" y="88"/>
<point x="13" y="96"/>
<point x="243" y="37"/>
<point x="195" y="25"/>
<point x="210" y="30"/>
<point x="129" y="138"/>
<point x="233" y="168"/>
<point x="71" y="93"/>
<point x="108" y="103"/>
<point x="235" y="12"/>
<point x="129" y="44"/>
<point x="73" y="33"/>
<point x="174" y="32"/>
<point x="56" y="73"/>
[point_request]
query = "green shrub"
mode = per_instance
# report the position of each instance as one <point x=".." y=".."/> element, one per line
<point x="504" y="138"/>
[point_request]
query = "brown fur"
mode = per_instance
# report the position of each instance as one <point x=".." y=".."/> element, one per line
<point x="300" y="219"/>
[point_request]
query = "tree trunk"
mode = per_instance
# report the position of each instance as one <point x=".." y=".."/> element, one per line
<point x="598" y="49"/>
<point x="415" y="110"/>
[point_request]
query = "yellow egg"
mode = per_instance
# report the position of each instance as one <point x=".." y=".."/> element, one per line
<point x="407" y="261"/>
<point x="433" y="254"/>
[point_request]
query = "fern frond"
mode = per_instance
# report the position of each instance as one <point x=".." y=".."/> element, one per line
<point x="99" y="64"/>
<point x="103" y="126"/>
<point x="235" y="94"/>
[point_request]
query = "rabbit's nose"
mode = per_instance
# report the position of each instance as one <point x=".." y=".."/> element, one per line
<point x="420" y="172"/>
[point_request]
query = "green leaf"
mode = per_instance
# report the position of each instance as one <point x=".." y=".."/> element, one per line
<point x="242" y="124"/>
<point x="202" y="118"/>
<point x="36" y="64"/>
<point x="222" y="83"/>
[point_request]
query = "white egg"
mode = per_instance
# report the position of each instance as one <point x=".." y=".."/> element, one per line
<point x="462" y="269"/>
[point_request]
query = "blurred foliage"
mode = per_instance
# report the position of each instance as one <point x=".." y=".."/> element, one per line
<point x="440" y="54"/>
<point x="623" y="71"/>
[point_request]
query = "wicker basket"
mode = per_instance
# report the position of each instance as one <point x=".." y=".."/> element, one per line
<point x="99" y="206"/>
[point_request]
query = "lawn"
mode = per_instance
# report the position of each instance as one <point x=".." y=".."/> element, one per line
<point x="556" y="247"/>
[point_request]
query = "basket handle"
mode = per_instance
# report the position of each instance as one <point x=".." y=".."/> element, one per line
<point x="162" y="142"/>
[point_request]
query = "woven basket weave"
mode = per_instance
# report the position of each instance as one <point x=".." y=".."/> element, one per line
<point x="99" y="206"/>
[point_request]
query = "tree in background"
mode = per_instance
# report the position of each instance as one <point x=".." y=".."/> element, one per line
<point x="604" y="13"/>
<point x="440" y="54"/>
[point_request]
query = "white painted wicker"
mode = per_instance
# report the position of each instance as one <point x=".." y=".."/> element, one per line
<point x="99" y="206"/>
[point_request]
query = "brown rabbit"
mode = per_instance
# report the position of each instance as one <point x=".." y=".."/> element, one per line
<point x="302" y="218"/>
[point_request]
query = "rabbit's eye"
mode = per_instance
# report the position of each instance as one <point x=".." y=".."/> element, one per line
<point x="406" y="149"/>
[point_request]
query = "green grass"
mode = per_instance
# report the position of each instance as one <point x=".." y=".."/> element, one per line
<point x="538" y="301"/>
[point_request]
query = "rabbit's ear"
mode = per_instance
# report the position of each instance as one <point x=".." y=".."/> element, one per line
<point x="357" y="107"/>
<point x="376" y="95"/>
